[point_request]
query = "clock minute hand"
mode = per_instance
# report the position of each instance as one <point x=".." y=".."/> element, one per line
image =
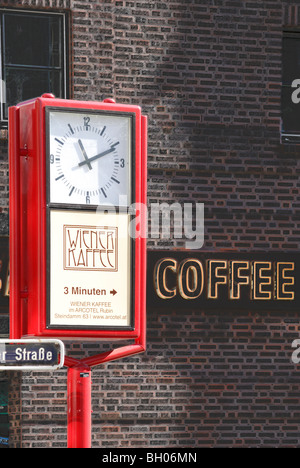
<point x="89" y="160"/>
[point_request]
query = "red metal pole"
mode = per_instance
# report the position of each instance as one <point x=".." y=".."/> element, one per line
<point x="79" y="406"/>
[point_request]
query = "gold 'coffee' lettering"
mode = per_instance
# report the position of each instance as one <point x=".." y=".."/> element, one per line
<point x="217" y="276"/>
<point x="239" y="277"/>
<point x="190" y="279"/>
<point x="229" y="279"/>
<point x="284" y="280"/>
<point x="262" y="281"/>
<point x="160" y="282"/>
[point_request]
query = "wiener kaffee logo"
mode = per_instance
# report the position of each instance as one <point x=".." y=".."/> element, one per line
<point x="90" y="248"/>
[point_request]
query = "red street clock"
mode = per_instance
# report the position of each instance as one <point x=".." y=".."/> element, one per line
<point x="77" y="253"/>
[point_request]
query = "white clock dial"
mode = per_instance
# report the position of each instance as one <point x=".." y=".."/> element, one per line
<point x="89" y="158"/>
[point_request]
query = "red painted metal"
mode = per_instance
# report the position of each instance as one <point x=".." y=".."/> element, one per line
<point x="79" y="406"/>
<point x="14" y="215"/>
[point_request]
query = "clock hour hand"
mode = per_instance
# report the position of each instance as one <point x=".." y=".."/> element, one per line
<point x="89" y="160"/>
<point x="84" y="154"/>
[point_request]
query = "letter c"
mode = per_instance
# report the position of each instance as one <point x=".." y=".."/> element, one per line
<point x="160" y="280"/>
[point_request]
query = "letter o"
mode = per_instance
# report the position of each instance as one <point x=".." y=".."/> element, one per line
<point x="190" y="279"/>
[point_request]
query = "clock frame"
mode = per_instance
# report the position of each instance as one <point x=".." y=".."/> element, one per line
<point x="117" y="157"/>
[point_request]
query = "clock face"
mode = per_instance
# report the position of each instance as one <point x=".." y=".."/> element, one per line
<point x="89" y="157"/>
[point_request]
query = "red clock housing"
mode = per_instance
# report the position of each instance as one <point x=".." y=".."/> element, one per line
<point x="29" y="223"/>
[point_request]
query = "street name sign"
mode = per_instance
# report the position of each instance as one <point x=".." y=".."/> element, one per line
<point x="31" y="354"/>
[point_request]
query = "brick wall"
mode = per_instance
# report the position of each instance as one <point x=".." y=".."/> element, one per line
<point x="208" y="75"/>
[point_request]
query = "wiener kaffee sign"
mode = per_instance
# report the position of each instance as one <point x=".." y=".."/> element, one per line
<point x="227" y="280"/>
